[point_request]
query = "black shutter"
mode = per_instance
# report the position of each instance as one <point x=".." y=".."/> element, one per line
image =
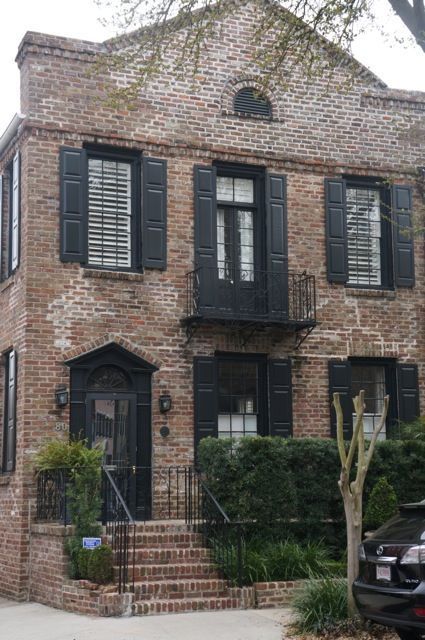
<point x="15" y="213"/>
<point x="154" y="212"/>
<point x="73" y="198"/>
<point x="404" y="265"/>
<point x="205" y="397"/>
<point x="277" y="245"/>
<point x="340" y="381"/>
<point x="10" y="417"/>
<point x="336" y="230"/>
<point x="206" y="234"/>
<point x="408" y="392"/>
<point x="280" y="398"/>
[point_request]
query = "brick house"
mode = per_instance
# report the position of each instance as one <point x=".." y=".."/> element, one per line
<point x="235" y="253"/>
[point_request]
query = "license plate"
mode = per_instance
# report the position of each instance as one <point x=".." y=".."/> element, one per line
<point x="383" y="572"/>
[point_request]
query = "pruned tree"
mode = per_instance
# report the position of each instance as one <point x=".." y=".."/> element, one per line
<point x="351" y="482"/>
<point x="173" y="35"/>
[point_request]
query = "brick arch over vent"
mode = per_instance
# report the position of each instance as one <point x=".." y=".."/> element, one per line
<point x="111" y="339"/>
<point x="234" y="85"/>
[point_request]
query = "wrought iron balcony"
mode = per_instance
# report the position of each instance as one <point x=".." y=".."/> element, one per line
<point x="246" y="297"/>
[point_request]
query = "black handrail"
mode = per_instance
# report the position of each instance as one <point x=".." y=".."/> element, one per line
<point x="121" y="528"/>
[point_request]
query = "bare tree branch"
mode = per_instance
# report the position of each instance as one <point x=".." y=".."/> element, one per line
<point x="413" y="17"/>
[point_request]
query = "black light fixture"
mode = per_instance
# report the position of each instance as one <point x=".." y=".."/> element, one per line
<point x="164" y="403"/>
<point x="61" y="396"/>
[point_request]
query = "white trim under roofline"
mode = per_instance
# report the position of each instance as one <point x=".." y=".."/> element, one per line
<point x="10" y="131"/>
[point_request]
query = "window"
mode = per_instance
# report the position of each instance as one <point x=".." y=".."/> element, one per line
<point x="240" y="395"/>
<point x="10" y="200"/>
<point x="9" y="414"/>
<point x="239" y="386"/>
<point x="250" y="101"/>
<point x="368" y="233"/>
<point x="375" y="380"/>
<point x="110" y="218"/>
<point x="236" y="213"/>
<point x="378" y="378"/>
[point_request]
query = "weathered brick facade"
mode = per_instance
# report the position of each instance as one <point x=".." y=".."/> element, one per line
<point x="53" y="311"/>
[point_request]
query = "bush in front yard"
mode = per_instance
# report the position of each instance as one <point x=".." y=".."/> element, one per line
<point x="381" y="506"/>
<point x="100" y="565"/>
<point x="321" y="605"/>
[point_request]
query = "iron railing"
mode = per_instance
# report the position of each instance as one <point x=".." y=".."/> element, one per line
<point x="52" y="496"/>
<point x="120" y="529"/>
<point x="251" y="295"/>
<point x="180" y="493"/>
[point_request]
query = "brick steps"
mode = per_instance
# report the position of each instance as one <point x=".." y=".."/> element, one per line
<point x="180" y="588"/>
<point x="175" y="573"/>
<point x="184" y="605"/>
<point x="181" y="570"/>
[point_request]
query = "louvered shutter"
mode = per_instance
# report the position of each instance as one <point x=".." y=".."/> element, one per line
<point x="408" y="392"/>
<point x="205" y="397"/>
<point x="277" y="245"/>
<point x="336" y="230"/>
<point x="404" y="264"/>
<point x="73" y="198"/>
<point x="15" y="213"/>
<point x="280" y="398"/>
<point x="206" y="234"/>
<point x="1" y="228"/>
<point x="154" y="212"/>
<point x="10" y="445"/>
<point x="340" y="381"/>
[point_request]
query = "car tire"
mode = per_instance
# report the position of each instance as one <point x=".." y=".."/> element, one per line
<point x="403" y="634"/>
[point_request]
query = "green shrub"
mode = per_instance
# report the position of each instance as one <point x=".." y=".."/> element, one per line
<point x="321" y="605"/>
<point x="381" y="506"/>
<point x="83" y="558"/>
<point x="288" y="488"/>
<point x="100" y="565"/>
<point x="414" y="430"/>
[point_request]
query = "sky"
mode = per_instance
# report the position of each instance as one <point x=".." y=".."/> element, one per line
<point x="400" y="66"/>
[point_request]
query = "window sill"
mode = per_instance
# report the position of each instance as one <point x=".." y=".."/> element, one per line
<point x="103" y="274"/>
<point x="4" y="480"/>
<point x="370" y="293"/>
<point x="7" y="283"/>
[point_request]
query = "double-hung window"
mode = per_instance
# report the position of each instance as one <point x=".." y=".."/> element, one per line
<point x="369" y="233"/>
<point x="113" y="209"/>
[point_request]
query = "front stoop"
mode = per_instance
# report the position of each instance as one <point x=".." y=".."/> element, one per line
<point x="174" y="573"/>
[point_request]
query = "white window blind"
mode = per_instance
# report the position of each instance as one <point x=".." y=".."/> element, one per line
<point x="15" y="212"/>
<point x="109" y="213"/>
<point x="364" y="232"/>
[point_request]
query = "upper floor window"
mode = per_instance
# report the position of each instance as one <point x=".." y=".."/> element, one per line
<point x="252" y="102"/>
<point x="369" y="233"/>
<point x="110" y="218"/>
<point x="10" y="203"/>
<point x="9" y="412"/>
<point x="112" y="226"/>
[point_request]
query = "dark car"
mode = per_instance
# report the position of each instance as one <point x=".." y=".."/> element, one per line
<point x="390" y="588"/>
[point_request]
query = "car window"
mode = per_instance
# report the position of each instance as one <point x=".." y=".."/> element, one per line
<point x="406" y="527"/>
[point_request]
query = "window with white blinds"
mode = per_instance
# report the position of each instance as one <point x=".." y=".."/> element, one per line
<point x="109" y="213"/>
<point x="364" y="233"/>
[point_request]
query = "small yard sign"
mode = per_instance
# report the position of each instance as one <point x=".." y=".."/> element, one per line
<point x="91" y="543"/>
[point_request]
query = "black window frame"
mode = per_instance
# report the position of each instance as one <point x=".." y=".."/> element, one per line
<point x="390" y="369"/>
<point x="263" y="427"/>
<point x="257" y="174"/>
<point x="135" y="159"/>
<point x="386" y="217"/>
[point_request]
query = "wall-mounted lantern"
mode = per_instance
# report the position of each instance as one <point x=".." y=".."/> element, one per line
<point x="61" y="396"/>
<point x="164" y="403"/>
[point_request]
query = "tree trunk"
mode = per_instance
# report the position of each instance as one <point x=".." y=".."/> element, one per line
<point x="353" y="516"/>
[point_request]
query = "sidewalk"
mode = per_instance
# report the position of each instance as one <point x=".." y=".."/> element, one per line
<point x="31" y="621"/>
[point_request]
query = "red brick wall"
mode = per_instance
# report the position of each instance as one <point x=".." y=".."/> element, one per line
<point x="51" y="311"/>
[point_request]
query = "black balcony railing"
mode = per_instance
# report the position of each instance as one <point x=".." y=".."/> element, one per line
<point x="217" y="294"/>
